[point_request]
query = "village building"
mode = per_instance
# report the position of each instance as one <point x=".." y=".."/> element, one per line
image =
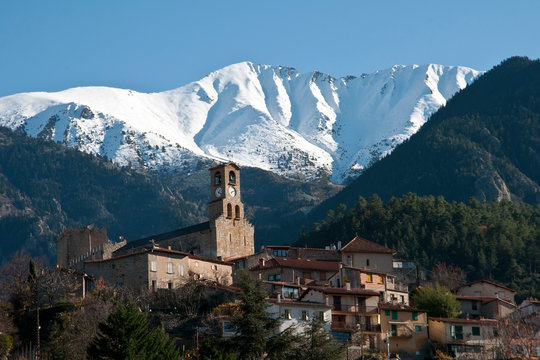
<point x="465" y="338"/>
<point x="476" y="307"/>
<point x="487" y="288"/>
<point x="295" y="270"/>
<point x="406" y="329"/>
<point x="362" y="253"/>
<point x="298" y="315"/>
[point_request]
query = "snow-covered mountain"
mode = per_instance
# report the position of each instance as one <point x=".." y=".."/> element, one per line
<point x="271" y="117"/>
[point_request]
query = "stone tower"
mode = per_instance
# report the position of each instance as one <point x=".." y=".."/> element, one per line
<point x="232" y="232"/>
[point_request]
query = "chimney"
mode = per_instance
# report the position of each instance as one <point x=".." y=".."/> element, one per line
<point x="278" y="298"/>
<point x="339" y="245"/>
<point x="262" y="262"/>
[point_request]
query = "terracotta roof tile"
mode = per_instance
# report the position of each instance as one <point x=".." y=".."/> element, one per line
<point x="359" y="244"/>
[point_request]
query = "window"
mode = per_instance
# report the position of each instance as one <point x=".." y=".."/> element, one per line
<point x="381" y="280"/>
<point x="402" y="299"/>
<point x="387" y="312"/>
<point x="170" y="268"/>
<point x="500" y="295"/>
<point x="153" y="266"/>
<point x="241" y="264"/>
<point x="415" y="315"/>
<point x="304" y="315"/>
<point x="169" y="285"/>
<point x="495" y="333"/>
<point x="229" y="211"/>
<point x="232" y="177"/>
<point x="367" y="262"/>
<point x="280" y="252"/>
<point x="181" y="270"/>
<point x="290" y="292"/>
<point x="113" y="266"/>
<point x="390" y="280"/>
<point x="275" y="277"/>
<point x="349" y="260"/>
<point x="474" y="305"/>
<point x="456" y="331"/>
<point x="369" y="278"/>
<point x="237" y="212"/>
<point x="477" y="293"/>
<point x="394" y="315"/>
<point x="217" y="178"/>
<point x="418" y="327"/>
<point x="394" y="330"/>
<point x="306" y="275"/>
<point x="320" y="316"/>
<point x="286" y="314"/>
<point x="476" y="331"/>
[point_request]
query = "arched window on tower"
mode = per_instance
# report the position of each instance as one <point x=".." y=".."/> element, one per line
<point x="217" y="178"/>
<point x="229" y="210"/>
<point x="232" y="177"/>
<point x="237" y="212"/>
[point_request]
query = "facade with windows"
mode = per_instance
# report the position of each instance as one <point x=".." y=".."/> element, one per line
<point x="157" y="268"/>
<point x="299" y="314"/>
<point x="465" y="338"/>
<point x="406" y="328"/>
<point x="486" y="288"/>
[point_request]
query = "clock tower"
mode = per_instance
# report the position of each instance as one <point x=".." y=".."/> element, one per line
<point x="233" y="232"/>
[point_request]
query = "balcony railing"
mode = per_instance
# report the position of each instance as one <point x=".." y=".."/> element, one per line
<point x="355" y="308"/>
<point x="397" y="286"/>
<point x="342" y="325"/>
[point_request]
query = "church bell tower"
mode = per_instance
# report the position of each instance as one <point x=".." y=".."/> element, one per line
<point x="233" y="232"/>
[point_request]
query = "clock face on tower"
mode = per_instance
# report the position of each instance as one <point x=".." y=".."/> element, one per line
<point x="219" y="192"/>
<point x="232" y="191"/>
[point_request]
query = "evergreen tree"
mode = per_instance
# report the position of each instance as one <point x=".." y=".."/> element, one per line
<point x="254" y="327"/>
<point x="126" y="335"/>
<point x="319" y="344"/>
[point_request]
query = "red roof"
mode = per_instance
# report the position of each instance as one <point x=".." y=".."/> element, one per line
<point x="362" y="245"/>
<point x="299" y="263"/>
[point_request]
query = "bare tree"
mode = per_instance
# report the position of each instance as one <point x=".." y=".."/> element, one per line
<point x="518" y="336"/>
<point x="450" y="276"/>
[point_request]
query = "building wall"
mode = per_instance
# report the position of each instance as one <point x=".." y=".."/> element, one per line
<point x="486" y="289"/>
<point x="408" y="339"/>
<point x="78" y="243"/>
<point x="127" y="271"/>
<point x="278" y="310"/>
<point x="221" y="273"/>
<point x="379" y="262"/>
<point x="233" y="237"/>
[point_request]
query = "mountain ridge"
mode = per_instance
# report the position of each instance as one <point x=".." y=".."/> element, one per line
<point x="299" y="125"/>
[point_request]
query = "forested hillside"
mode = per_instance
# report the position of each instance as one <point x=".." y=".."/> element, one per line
<point x="489" y="240"/>
<point x="484" y="143"/>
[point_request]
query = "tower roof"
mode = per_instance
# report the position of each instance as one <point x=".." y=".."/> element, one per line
<point x="231" y="163"/>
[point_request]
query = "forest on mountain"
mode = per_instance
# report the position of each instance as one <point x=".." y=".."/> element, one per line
<point x="488" y="240"/>
<point x="485" y="143"/>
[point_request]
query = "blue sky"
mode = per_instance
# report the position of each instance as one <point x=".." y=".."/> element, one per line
<point x="162" y="44"/>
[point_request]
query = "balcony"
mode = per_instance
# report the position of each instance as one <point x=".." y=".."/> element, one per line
<point x="397" y="287"/>
<point x="362" y="309"/>
<point x="342" y="325"/>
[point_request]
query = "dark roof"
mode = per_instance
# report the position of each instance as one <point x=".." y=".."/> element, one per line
<point x="362" y="245"/>
<point x="167" y="235"/>
<point x="367" y="271"/>
<point x="343" y="291"/>
<point x="299" y="263"/>
<point x="162" y="250"/>
<point x="487" y="282"/>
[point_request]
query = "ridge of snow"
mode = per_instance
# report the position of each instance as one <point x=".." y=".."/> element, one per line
<point x="271" y="117"/>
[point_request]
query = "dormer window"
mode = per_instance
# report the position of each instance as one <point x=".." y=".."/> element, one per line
<point x="232" y="177"/>
<point x="217" y="178"/>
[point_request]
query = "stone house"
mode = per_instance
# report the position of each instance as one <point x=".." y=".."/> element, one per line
<point x="353" y="310"/>
<point x="488" y="289"/>
<point x="157" y="268"/>
<point x="299" y="314"/>
<point x="362" y="253"/>
<point x="295" y="270"/>
<point x="407" y="329"/>
<point x="464" y="338"/>
<point x="489" y="307"/>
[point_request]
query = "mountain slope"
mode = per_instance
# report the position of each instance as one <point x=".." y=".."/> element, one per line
<point x="484" y="143"/>
<point x="271" y="117"/>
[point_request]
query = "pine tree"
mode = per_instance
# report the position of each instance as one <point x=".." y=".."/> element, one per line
<point x="126" y="335"/>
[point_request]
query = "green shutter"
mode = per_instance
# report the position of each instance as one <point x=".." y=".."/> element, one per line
<point x="394" y="315"/>
<point x="387" y="312"/>
<point x="415" y="315"/>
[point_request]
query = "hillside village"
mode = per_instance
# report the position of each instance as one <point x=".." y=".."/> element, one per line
<point x="359" y="289"/>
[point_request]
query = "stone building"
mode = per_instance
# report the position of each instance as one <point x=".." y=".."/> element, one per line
<point x="227" y="234"/>
<point x="74" y="246"/>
